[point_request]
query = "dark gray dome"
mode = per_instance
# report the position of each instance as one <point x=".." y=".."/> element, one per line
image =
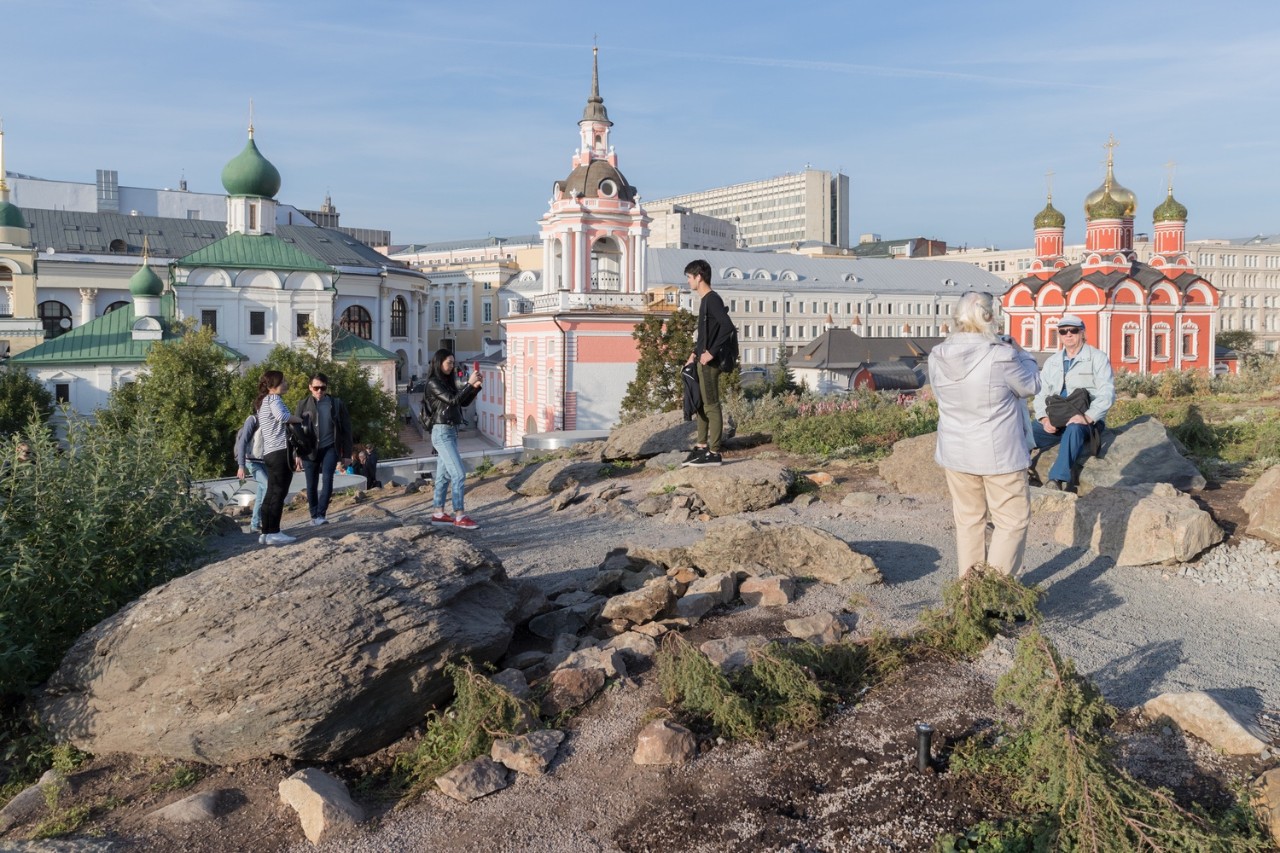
<point x="597" y="179"/>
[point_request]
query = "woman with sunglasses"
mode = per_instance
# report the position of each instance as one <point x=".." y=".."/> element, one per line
<point x="446" y="396"/>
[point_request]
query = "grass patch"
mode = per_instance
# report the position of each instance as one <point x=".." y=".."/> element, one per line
<point x="865" y="424"/>
<point x="481" y="712"/>
<point x="1061" y="772"/>
<point x="181" y="776"/>
<point x="972" y="611"/>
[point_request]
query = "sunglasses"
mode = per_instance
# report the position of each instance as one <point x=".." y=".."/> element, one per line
<point x="319" y="387"/>
<point x="1068" y="330"/>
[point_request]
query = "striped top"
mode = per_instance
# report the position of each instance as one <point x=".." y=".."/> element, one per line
<point x="272" y="417"/>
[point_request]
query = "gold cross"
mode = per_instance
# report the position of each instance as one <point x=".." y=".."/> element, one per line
<point x="1169" y="169"/>
<point x="1048" y="179"/>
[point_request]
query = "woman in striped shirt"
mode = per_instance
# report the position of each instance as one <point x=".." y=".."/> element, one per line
<point x="273" y="418"/>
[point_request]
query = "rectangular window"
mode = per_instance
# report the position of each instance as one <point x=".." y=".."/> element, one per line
<point x="303" y="320"/>
<point x="209" y="319"/>
<point x="253" y="217"/>
<point x="488" y="312"/>
<point x="773" y="331"/>
<point x="1129" y="345"/>
<point x="733" y="305"/>
<point x="257" y="322"/>
<point x="1051" y="338"/>
<point x="62" y="393"/>
<point x="759" y="331"/>
<point x="1160" y="344"/>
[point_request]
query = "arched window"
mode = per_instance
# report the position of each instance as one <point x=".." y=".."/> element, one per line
<point x="466" y="311"/>
<point x="453" y="318"/>
<point x="357" y="321"/>
<point x="114" y="306"/>
<point x="399" y="318"/>
<point x="56" y="318"/>
<point x="435" y="313"/>
<point x="529" y="387"/>
<point x="6" y="274"/>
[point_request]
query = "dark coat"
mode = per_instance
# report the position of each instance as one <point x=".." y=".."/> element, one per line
<point x="341" y="420"/>
<point x="446" y="401"/>
<point x="692" y="393"/>
<point x="714" y="327"/>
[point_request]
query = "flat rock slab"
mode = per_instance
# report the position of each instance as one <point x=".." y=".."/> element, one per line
<point x="747" y="485"/>
<point x="821" y="629"/>
<point x="322" y="650"/>
<point x="732" y="653"/>
<point x="556" y="475"/>
<point x="474" y="779"/>
<point x="1215" y="721"/>
<point x="1138" y="453"/>
<point x="197" y="808"/>
<point x="571" y="688"/>
<point x="661" y="433"/>
<point x="29" y="803"/>
<point x="1266" y="799"/>
<point x="763" y="548"/>
<point x="645" y="604"/>
<point x="1139" y="525"/>
<point x="529" y="754"/>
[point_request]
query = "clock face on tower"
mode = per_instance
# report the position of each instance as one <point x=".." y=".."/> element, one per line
<point x="557" y="191"/>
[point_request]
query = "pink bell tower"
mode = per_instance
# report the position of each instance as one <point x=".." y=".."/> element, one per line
<point x="595" y="233"/>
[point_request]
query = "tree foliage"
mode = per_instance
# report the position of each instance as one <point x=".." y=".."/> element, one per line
<point x="784" y="380"/>
<point x="664" y="342"/>
<point x="374" y="416"/>
<point x="185" y="394"/>
<point x="21" y="396"/>
<point x="1240" y="340"/>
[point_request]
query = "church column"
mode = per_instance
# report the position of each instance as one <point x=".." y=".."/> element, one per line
<point x="568" y="260"/>
<point x="384" y="316"/>
<point x="584" y="259"/>
<point x="411" y="322"/>
<point x="88" y="296"/>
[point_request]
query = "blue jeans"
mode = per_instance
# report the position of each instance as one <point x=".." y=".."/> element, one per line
<point x="449" y="468"/>
<point x="258" y="472"/>
<point x="1074" y="438"/>
<point x="322" y="471"/>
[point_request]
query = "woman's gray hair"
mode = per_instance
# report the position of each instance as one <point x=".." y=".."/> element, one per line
<point x="975" y="313"/>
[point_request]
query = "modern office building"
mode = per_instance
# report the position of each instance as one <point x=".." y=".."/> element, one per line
<point x="676" y="227"/>
<point x="776" y="212"/>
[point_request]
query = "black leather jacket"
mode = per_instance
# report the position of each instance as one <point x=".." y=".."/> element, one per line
<point x="446" y="400"/>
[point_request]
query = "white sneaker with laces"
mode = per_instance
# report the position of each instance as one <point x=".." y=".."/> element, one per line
<point x="280" y="539"/>
<point x="316" y="522"/>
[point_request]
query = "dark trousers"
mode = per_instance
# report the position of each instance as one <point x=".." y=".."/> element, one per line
<point x="278" y="478"/>
<point x="320" y="480"/>
<point x="1074" y="438"/>
<point x="710" y="420"/>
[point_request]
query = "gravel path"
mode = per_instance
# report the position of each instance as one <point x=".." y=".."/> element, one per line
<point x="1136" y="632"/>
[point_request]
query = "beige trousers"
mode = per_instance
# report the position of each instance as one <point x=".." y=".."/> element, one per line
<point x="1006" y="500"/>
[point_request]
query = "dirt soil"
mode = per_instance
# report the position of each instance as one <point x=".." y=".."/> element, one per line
<point x="851" y="784"/>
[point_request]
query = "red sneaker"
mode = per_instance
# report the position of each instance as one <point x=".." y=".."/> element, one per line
<point x="442" y="518"/>
<point x="465" y="523"/>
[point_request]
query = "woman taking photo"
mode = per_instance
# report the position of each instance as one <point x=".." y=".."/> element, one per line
<point x="273" y="420"/>
<point x="982" y="382"/>
<point x="446" y="400"/>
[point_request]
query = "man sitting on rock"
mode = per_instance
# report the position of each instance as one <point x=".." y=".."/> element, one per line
<point x="1077" y="367"/>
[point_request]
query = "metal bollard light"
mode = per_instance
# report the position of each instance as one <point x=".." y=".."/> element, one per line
<point x="924" y="741"/>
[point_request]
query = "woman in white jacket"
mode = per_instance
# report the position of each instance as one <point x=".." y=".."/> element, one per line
<point x="982" y="382"/>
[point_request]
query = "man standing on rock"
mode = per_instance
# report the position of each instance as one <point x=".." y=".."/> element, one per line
<point x="709" y="351"/>
<point x="1078" y="367"/>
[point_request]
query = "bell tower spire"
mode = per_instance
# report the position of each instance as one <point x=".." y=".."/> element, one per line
<point x="594" y="125"/>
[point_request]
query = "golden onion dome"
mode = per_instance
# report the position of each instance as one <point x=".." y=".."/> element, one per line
<point x="1050" y="217"/>
<point x="1170" y="210"/>
<point x="1124" y="195"/>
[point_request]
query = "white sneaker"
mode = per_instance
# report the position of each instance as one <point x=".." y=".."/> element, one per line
<point x="280" y="539"/>
<point x="262" y="540"/>
<point x="316" y="522"/>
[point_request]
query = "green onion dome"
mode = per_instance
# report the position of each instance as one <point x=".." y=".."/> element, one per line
<point x="1050" y="217"/>
<point x="1170" y="210"/>
<point x="1107" y="206"/>
<point x="11" y="216"/>
<point x="145" y="282"/>
<point x="249" y="173"/>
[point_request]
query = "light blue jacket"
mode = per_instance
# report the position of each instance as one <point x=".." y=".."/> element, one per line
<point x="1091" y="371"/>
<point x="982" y="385"/>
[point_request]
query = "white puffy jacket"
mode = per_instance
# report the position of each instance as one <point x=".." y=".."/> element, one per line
<point x="981" y="385"/>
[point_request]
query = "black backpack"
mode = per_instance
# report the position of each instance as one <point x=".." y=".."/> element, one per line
<point x="727" y="357"/>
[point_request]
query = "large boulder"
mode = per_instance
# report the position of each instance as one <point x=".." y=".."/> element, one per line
<point x="761" y="548"/>
<point x="1139" y="452"/>
<point x="661" y="433"/>
<point x="1218" y="722"/>
<point x="551" y="477"/>
<point x="744" y="486"/>
<point x="1139" y="525"/>
<point x="911" y="469"/>
<point x="319" y="651"/>
<point x="1262" y="502"/>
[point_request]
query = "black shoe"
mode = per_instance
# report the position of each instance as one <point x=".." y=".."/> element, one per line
<point x="709" y="458"/>
<point x="693" y="457"/>
<point x="1033" y="479"/>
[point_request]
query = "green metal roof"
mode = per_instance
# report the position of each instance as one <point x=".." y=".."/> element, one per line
<point x="346" y="345"/>
<point x="263" y="251"/>
<point x="107" y="340"/>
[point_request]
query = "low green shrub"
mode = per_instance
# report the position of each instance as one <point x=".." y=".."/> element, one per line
<point x="84" y="531"/>
<point x="863" y="424"/>
<point x="1062" y="774"/>
<point x="481" y="712"/>
<point x="973" y="607"/>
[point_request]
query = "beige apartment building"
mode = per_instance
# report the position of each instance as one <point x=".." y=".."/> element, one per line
<point x="1246" y="271"/>
<point x="809" y="205"/>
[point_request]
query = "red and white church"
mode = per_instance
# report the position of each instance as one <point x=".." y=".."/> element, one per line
<point x="1147" y="317"/>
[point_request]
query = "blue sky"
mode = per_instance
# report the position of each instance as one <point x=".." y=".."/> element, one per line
<point x="449" y="120"/>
